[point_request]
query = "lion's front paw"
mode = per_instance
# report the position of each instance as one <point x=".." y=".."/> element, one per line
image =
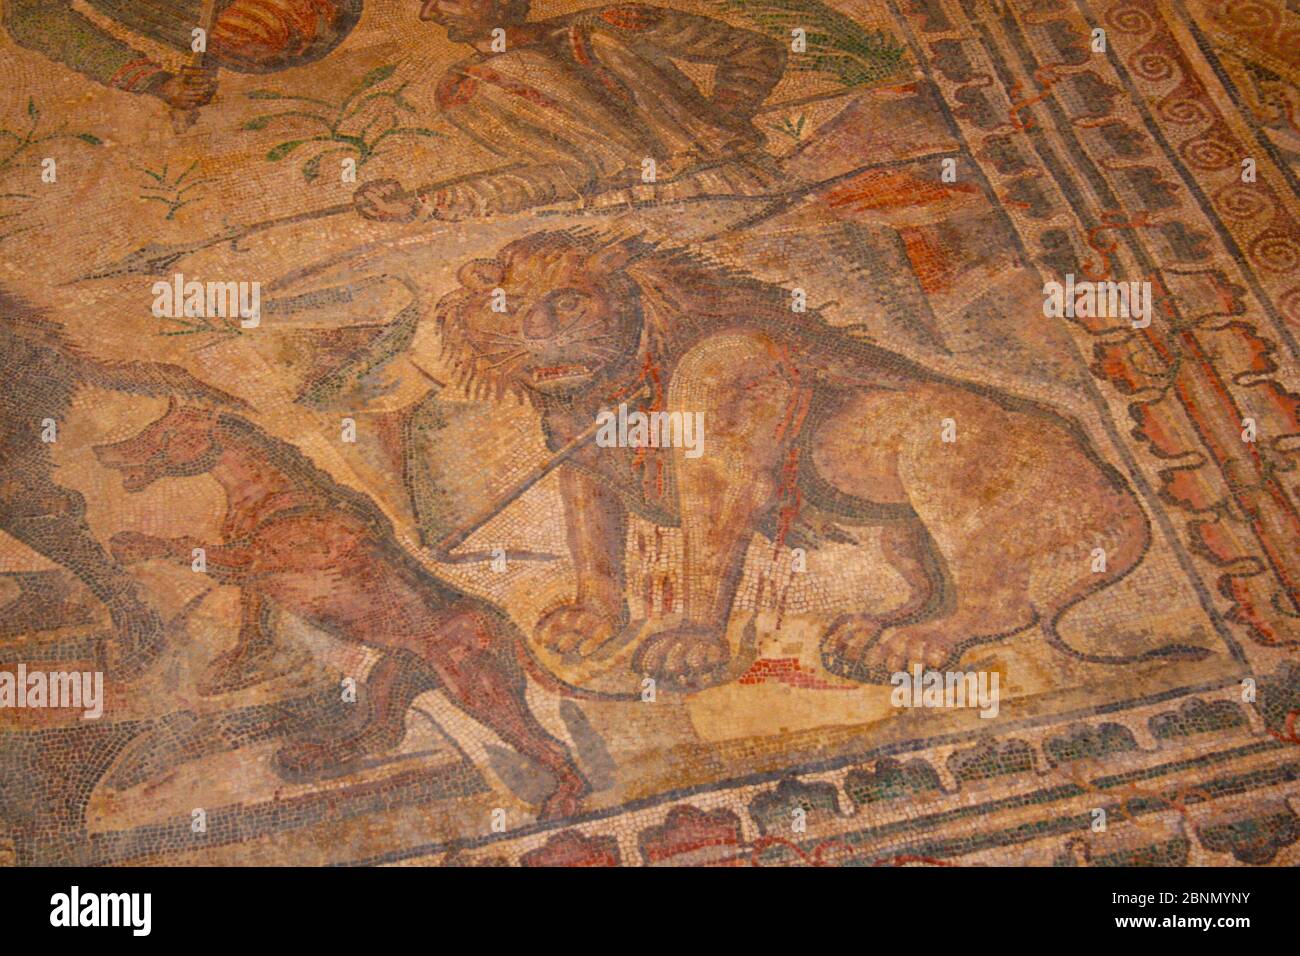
<point x="576" y="629"/>
<point x="684" y="656"/>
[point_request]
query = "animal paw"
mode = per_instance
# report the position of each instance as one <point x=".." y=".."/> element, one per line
<point x="683" y="656"/>
<point x="899" y="649"/>
<point x="580" y="629"/>
<point x="242" y="667"/>
<point x="565" y="802"/>
<point x="137" y="640"/>
<point x="845" y="645"/>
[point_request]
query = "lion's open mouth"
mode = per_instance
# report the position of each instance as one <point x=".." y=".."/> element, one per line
<point x="553" y="372"/>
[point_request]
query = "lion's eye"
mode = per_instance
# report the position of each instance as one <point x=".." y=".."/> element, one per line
<point x="568" y="302"/>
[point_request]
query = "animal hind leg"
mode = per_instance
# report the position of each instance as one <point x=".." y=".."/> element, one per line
<point x="51" y="521"/>
<point x="908" y="548"/>
<point x="378" y="723"/>
<point x="994" y="502"/>
<point x="987" y="599"/>
<point x="256" y="656"/>
<point x="473" y="655"/>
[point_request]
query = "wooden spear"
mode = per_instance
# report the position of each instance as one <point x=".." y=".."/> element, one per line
<point x="442" y="550"/>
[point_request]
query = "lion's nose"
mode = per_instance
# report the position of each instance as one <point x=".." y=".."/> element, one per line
<point x="539" y="323"/>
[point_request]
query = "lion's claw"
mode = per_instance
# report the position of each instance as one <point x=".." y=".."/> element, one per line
<point x="684" y="656"/>
<point x="578" y="629"/>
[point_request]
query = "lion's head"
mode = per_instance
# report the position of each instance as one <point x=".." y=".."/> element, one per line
<point x="565" y="316"/>
<point x="583" y="311"/>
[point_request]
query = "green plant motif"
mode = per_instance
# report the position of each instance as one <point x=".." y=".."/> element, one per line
<point x="358" y="125"/>
<point x="23" y="142"/>
<point x="836" y="44"/>
<point x="26" y="141"/>
<point x="202" y="325"/>
<point x="171" y="192"/>
<point x="221" y="326"/>
<point x="791" y="128"/>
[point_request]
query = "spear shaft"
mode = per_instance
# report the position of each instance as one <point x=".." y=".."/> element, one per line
<point x="155" y="258"/>
<point x="457" y="536"/>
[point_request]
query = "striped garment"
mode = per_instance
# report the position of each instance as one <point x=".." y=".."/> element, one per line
<point x="129" y="44"/>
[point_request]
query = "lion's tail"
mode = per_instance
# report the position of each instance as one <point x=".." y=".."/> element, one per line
<point x="1122" y="527"/>
<point x="1164" y="651"/>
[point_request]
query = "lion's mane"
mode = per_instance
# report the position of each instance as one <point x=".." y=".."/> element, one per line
<point x="680" y="295"/>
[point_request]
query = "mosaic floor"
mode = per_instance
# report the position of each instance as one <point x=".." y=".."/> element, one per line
<point x="709" y="432"/>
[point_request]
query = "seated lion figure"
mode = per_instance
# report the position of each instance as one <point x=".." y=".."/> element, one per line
<point x="994" y="530"/>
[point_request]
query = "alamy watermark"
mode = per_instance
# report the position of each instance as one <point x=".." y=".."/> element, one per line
<point x="75" y="690"/>
<point x="651" y="430"/>
<point x="1101" y="300"/>
<point x="946" y="689"/>
<point x="182" y="299"/>
<point x="75" y="908"/>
